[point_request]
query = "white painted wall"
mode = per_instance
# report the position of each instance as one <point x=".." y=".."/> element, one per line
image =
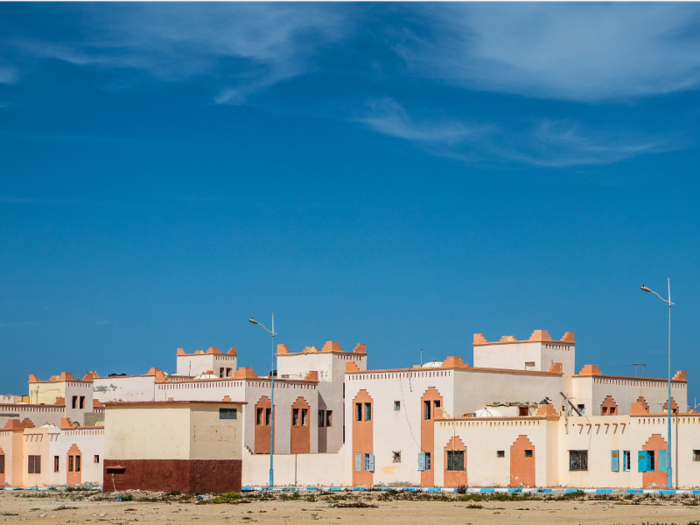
<point x="124" y="388"/>
<point x="302" y="470"/>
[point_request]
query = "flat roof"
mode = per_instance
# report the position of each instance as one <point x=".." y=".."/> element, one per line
<point x="125" y="403"/>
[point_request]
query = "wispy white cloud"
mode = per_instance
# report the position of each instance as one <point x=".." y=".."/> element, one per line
<point x="245" y="47"/>
<point x="585" y="51"/>
<point x="8" y="75"/>
<point x="542" y="142"/>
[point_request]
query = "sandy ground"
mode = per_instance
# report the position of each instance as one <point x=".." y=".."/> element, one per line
<point x="77" y="508"/>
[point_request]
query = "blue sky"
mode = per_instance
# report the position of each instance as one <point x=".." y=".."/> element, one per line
<point x="401" y="175"/>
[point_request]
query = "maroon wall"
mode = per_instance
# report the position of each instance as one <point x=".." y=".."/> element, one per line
<point x="193" y="476"/>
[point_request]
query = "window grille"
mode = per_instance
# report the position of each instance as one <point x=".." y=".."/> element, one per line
<point x="228" y="413"/>
<point x="455" y="460"/>
<point x="578" y="460"/>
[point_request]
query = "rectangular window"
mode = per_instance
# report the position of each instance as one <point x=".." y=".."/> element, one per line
<point x="369" y="462"/>
<point x="626" y="461"/>
<point x="522" y="411"/>
<point x="696" y="455"/>
<point x="436" y="403"/>
<point x="455" y="460"/>
<point x="613" y="411"/>
<point x="77" y="463"/>
<point x="528" y="453"/>
<point x="604" y="411"/>
<point x="421" y="461"/>
<point x="56" y="463"/>
<point x="304" y="414"/>
<point x="259" y="416"/>
<point x="397" y="405"/>
<point x="321" y="419"/>
<point x="71" y="464"/>
<point x="2" y="464"/>
<point x="329" y="418"/>
<point x="428" y="463"/>
<point x="642" y="461"/>
<point x="426" y="410"/>
<point x="34" y="466"/>
<point x="295" y="417"/>
<point x="578" y="460"/>
<point x="221" y="373"/>
<point x="396" y="457"/>
<point x="529" y="365"/>
<point x="97" y="459"/>
<point x="615" y="461"/>
<point x="500" y="453"/>
<point x="358" y="411"/>
<point x="268" y="416"/>
<point x="581" y="409"/>
<point x="652" y="460"/>
<point x="75" y="401"/>
<point x="82" y="402"/>
<point x="228" y="413"/>
<point x="368" y="412"/>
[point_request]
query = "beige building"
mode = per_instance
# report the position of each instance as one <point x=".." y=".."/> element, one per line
<point x="186" y="446"/>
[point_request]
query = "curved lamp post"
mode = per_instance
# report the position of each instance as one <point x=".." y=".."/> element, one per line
<point x="272" y="397"/>
<point x="669" y="411"/>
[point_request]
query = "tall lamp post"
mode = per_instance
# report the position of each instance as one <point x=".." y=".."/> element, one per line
<point x="669" y="411"/>
<point x="272" y="397"/>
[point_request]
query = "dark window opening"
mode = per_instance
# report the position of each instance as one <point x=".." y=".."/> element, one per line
<point x="522" y="411"/>
<point x="56" y="463"/>
<point x="428" y="463"/>
<point x="221" y="372"/>
<point x="75" y="401"/>
<point x="228" y="413"/>
<point x="396" y="457"/>
<point x="397" y="405"/>
<point x="77" y="463"/>
<point x="295" y="417"/>
<point x="329" y="418"/>
<point x="321" y="419"/>
<point x="34" y="465"/>
<point x="304" y="413"/>
<point x="259" y="416"/>
<point x="2" y="464"/>
<point x="578" y="460"/>
<point x="71" y="464"/>
<point x="696" y="455"/>
<point x="500" y="453"/>
<point x="97" y="459"/>
<point x="581" y="409"/>
<point x="528" y="453"/>
<point x="228" y="372"/>
<point x="455" y="460"/>
<point x="268" y="416"/>
<point x="368" y="412"/>
<point x="82" y="402"/>
<point x="358" y="411"/>
<point x="426" y="410"/>
<point x="652" y="460"/>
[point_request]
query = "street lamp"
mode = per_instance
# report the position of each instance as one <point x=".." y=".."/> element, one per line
<point x="272" y="397"/>
<point x="669" y="411"/>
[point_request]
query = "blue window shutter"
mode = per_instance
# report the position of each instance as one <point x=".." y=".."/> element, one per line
<point x="625" y="459"/>
<point x="643" y="462"/>
<point x="371" y="463"/>
<point x="421" y="461"/>
<point x="662" y="460"/>
<point x="358" y="462"/>
<point x="616" y="461"/>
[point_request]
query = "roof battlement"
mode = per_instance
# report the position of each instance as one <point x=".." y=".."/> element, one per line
<point x="64" y="377"/>
<point x="331" y="347"/>
<point x="538" y="336"/>
<point x="212" y="350"/>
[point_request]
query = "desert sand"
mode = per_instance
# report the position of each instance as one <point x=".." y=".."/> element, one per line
<point x="341" y="508"/>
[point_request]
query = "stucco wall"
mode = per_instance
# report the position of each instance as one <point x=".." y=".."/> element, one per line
<point x="214" y="438"/>
<point x="296" y="469"/>
<point x="124" y="388"/>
